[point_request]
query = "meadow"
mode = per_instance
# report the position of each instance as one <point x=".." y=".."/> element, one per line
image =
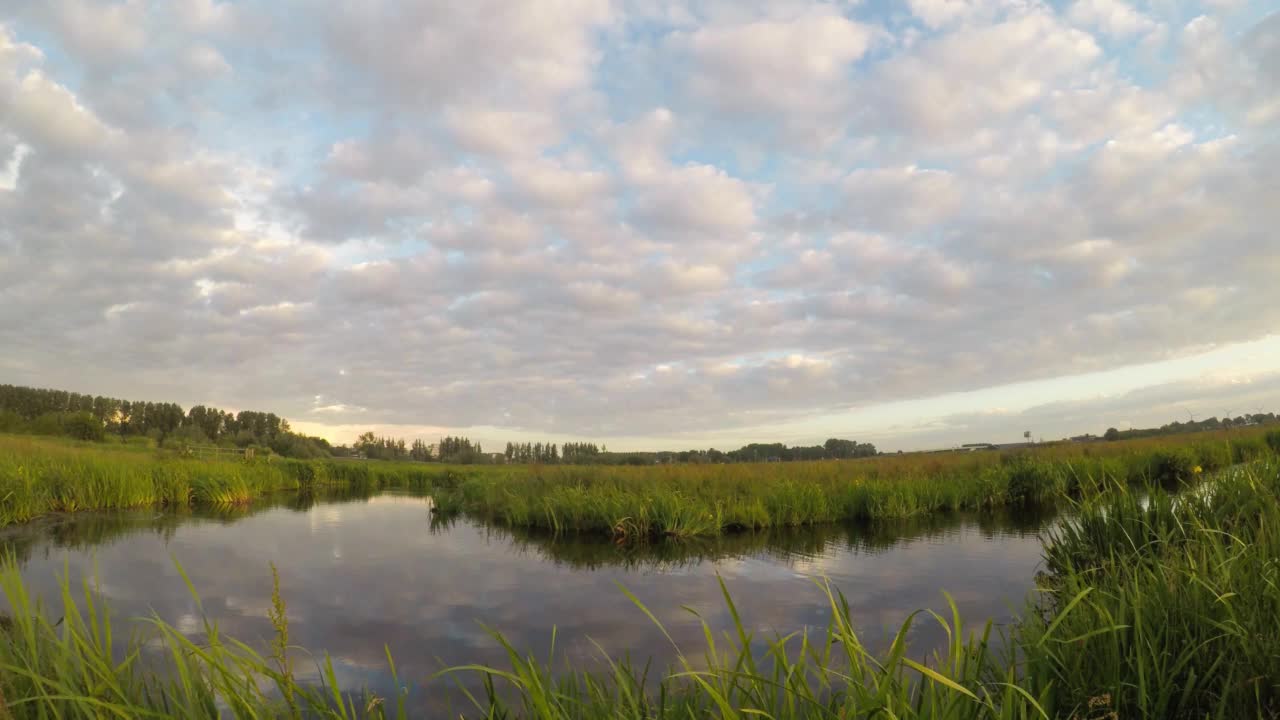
<point x="1151" y="605"/>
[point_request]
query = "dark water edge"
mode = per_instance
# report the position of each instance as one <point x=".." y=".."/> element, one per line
<point x="361" y="573"/>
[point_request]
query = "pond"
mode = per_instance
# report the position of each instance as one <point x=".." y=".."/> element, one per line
<point x="360" y="574"/>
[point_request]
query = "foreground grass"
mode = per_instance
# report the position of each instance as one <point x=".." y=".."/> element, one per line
<point x="1160" y="608"/>
<point x="1175" y="603"/>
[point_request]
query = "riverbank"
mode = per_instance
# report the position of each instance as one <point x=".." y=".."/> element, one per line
<point x="40" y="476"/>
<point x="631" y="503"/>
<point x="1148" y="609"/>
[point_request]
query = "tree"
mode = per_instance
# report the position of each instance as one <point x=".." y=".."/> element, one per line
<point x="83" y="426"/>
<point x="1111" y="434"/>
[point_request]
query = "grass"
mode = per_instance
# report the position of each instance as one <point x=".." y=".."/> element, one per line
<point x="1152" y="605"/>
<point x="79" y="667"/>
<point x="1158" y="606"/>
<point x="589" y="553"/>
<point x="40" y="476"/>
<point x="1178" y="602"/>
<point x="631" y="503"/>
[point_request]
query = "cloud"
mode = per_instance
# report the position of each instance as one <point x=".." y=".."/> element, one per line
<point x="1150" y="406"/>
<point x="1115" y="17"/>
<point x="791" y="69"/>
<point x="625" y="219"/>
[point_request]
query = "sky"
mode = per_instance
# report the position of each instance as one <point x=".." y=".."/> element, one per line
<point x="654" y="224"/>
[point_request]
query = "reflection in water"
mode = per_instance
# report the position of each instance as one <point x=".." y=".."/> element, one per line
<point x="363" y="572"/>
<point x="785" y="544"/>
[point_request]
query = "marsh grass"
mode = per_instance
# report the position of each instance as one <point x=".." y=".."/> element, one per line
<point x="638" y="503"/>
<point x="40" y="476"/>
<point x="79" y="666"/>
<point x="1151" y="606"/>
<point x="1179" y="600"/>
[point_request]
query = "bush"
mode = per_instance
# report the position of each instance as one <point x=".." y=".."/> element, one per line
<point x="1248" y="449"/>
<point x="187" y="435"/>
<point x="1171" y="468"/>
<point x="84" y="426"/>
<point x="11" y="422"/>
<point x="1029" y="481"/>
<point x="47" y="424"/>
<point x="1211" y="456"/>
<point x="1273" y="440"/>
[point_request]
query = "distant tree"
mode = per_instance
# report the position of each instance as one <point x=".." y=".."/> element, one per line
<point x="420" y="451"/>
<point x="11" y="422"/>
<point x="1111" y="434"/>
<point x="188" y="435"/>
<point x="82" y="425"/>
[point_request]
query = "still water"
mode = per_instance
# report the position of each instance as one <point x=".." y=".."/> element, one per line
<point x="362" y="573"/>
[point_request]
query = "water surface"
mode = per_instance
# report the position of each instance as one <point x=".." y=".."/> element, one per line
<point x="362" y="573"/>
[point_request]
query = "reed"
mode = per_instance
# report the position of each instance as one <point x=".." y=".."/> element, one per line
<point x="628" y="503"/>
<point x="638" y="503"/>
<point x="1175" y="602"/>
<point x="1152" y="605"/>
<point x="1155" y="607"/>
<point x="39" y="476"/>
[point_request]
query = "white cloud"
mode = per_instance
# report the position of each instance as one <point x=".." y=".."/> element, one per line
<point x="788" y="68"/>
<point x="625" y="218"/>
<point x="977" y="75"/>
<point x="1114" y="17"/>
<point x="901" y="199"/>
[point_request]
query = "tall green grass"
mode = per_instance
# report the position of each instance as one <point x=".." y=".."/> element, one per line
<point x="1160" y="606"/>
<point x="1176" y="602"/>
<point x="80" y="666"/>
<point x="1152" y="605"/>
<point x="694" y="500"/>
<point x="40" y="476"/>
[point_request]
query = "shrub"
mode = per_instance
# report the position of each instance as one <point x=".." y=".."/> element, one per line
<point x="1029" y="481"/>
<point x="11" y="422"/>
<point x="47" y="424"/>
<point x="1273" y="440"/>
<point x="84" y="426"/>
<point x="1172" y="468"/>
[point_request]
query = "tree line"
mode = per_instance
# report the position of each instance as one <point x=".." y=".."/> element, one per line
<point x="42" y="411"/>
<point x="590" y="453"/>
<point x="1193" y="425"/>
<point x="95" y="417"/>
<point x="450" y="449"/>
